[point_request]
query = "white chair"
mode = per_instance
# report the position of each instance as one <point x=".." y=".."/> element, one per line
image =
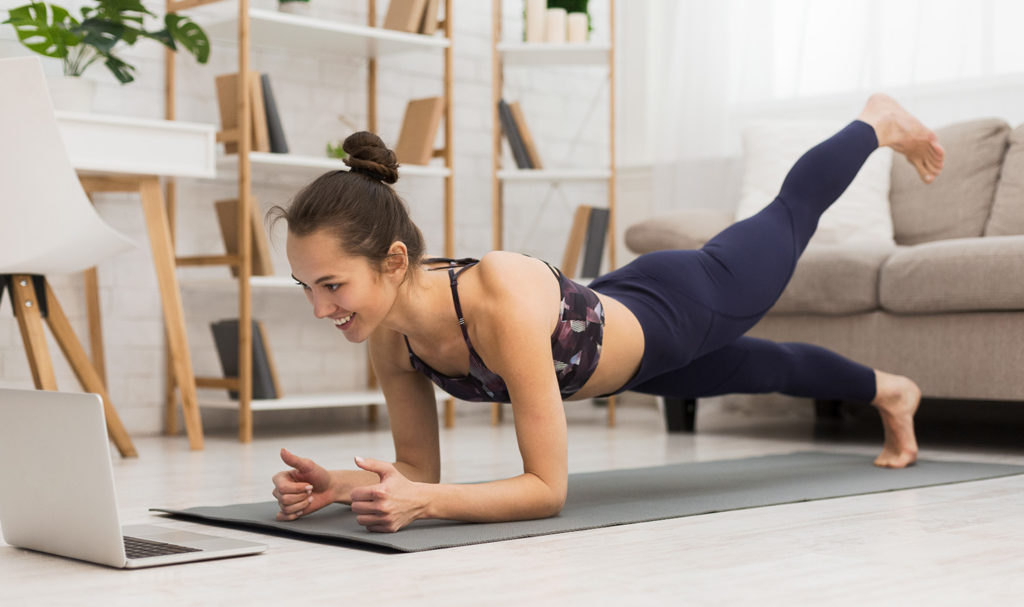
<point x="47" y="226"/>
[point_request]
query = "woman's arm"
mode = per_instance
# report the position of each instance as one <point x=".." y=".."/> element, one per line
<point x="308" y="487"/>
<point x="512" y="334"/>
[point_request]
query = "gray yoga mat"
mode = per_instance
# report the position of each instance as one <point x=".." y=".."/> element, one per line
<point x="618" y="497"/>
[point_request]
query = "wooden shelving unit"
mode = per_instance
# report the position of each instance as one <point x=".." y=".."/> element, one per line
<point x="251" y="27"/>
<point x="536" y="55"/>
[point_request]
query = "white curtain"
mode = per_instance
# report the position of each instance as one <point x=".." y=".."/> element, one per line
<point x="715" y="62"/>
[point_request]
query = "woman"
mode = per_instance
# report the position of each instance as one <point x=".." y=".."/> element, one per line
<point x="669" y="323"/>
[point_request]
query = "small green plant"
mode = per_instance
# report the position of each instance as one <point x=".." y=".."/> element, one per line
<point x="50" y="30"/>
<point x="336" y="151"/>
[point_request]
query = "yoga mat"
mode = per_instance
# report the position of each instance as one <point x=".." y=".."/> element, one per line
<point x="618" y="497"/>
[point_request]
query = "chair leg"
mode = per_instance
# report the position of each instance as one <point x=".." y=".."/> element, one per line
<point x="92" y="306"/>
<point x="30" y="321"/>
<point x="86" y="372"/>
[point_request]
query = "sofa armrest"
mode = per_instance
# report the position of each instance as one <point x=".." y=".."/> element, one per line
<point x="688" y="229"/>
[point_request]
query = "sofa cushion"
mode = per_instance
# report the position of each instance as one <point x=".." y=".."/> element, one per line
<point x="960" y="275"/>
<point x="688" y="229"/>
<point x="1007" y="215"/>
<point x="834" y="280"/>
<point x="860" y="215"/>
<point x="958" y="202"/>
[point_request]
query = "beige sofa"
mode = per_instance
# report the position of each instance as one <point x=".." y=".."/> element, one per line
<point x="945" y="306"/>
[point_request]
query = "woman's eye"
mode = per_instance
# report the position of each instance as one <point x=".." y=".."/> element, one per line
<point x="304" y="286"/>
<point x="332" y="287"/>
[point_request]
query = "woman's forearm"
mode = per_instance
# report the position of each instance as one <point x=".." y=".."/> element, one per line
<point x="344" y="481"/>
<point x="522" y="497"/>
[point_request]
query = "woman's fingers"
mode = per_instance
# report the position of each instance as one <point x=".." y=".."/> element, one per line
<point x="366" y="508"/>
<point x="286" y="483"/>
<point x="290" y="501"/>
<point x="287" y="486"/>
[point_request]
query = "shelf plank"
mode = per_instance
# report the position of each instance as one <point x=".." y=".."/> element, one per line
<point x="268" y="283"/>
<point x="308" y="167"/>
<point x="554" y="53"/>
<point x="301" y="401"/>
<point x="355" y="398"/>
<point x="273" y="29"/>
<point x="554" y="175"/>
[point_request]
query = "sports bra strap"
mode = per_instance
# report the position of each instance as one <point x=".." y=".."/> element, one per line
<point x="464" y="262"/>
<point x="458" y="266"/>
<point x="453" y="275"/>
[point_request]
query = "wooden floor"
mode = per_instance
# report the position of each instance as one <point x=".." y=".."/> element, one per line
<point x="953" y="545"/>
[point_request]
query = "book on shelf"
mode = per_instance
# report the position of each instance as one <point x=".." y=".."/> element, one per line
<point x="515" y="141"/>
<point x="597" y="235"/>
<point x="524" y="134"/>
<point x="574" y="243"/>
<point x="405" y="15"/>
<point x="430" y="21"/>
<point x="264" y="374"/>
<point x="227" y="103"/>
<point x="275" y="130"/>
<point x="419" y="130"/>
<point x="587" y="236"/>
<point x="227" y="217"/>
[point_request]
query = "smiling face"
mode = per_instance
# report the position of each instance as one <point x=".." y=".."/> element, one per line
<point x="346" y="289"/>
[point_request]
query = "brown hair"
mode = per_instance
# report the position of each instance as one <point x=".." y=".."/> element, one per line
<point x="359" y="206"/>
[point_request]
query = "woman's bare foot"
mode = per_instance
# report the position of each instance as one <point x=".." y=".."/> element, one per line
<point x="897" y="399"/>
<point x="899" y="129"/>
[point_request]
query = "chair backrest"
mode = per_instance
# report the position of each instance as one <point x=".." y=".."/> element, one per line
<point x="47" y="223"/>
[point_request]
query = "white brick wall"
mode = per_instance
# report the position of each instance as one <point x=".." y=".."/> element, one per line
<point x="312" y="91"/>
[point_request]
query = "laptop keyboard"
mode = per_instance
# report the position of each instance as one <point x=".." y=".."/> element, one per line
<point x="137" y="548"/>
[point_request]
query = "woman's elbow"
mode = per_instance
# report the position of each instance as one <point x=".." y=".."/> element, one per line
<point x="555" y="502"/>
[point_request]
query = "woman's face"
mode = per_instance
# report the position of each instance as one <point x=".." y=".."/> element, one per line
<point x="346" y="289"/>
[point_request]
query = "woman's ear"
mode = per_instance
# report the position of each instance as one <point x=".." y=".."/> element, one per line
<point x="397" y="261"/>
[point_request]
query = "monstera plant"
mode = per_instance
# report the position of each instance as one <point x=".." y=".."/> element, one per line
<point x="50" y="30"/>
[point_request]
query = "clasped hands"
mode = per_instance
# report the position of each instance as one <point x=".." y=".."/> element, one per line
<point x="386" y="506"/>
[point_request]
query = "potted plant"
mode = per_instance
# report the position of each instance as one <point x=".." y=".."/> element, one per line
<point x="50" y="30"/>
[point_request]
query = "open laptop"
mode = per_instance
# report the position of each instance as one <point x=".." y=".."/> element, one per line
<point x="57" y="488"/>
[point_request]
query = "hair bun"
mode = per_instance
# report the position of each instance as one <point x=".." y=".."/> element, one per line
<point x="368" y="155"/>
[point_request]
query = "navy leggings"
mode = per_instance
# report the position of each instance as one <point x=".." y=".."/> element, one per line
<point x="695" y="305"/>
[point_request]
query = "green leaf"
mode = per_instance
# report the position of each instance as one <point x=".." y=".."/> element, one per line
<point x="121" y="70"/>
<point x="190" y="35"/>
<point x="100" y="34"/>
<point x="118" y="10"/>
<point x="163" y="37"/>
<point x="44" y="29"/>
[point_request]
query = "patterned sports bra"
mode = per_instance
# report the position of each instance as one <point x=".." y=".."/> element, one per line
<point x="575" y="343"/>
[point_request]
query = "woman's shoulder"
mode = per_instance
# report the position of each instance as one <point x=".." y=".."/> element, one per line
<point x="511" y="280"/>
<point x="503" y="269"/>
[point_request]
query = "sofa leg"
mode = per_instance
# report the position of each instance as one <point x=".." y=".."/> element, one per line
<point x="828" y="410"/>
<point x="681" y="414"/>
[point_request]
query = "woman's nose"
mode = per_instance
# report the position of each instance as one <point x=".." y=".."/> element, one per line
<point x="322" y="308"/>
